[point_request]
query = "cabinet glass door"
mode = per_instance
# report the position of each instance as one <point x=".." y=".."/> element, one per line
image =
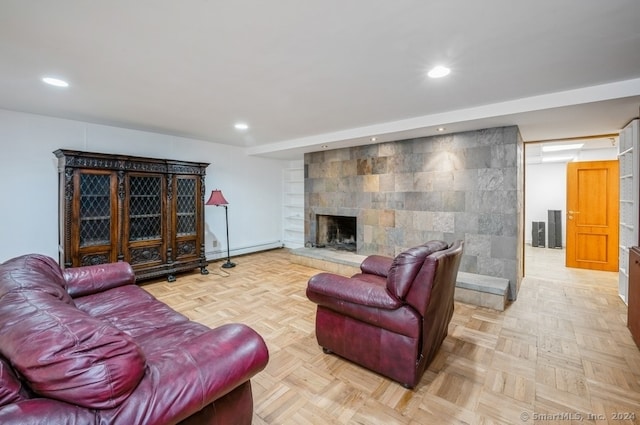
<point x="145" y="225"/>
<point x="93" y="238"/>
<point x="185" y="216"/>
<point x="145" y="208"/>
<point x="95" y="209"/>
<point x="186" y="224"/>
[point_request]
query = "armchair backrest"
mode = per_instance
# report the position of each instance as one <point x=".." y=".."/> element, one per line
<point x="437" y="307"/>
<point x="407" y="268"/>
<point x="436" y="280"/>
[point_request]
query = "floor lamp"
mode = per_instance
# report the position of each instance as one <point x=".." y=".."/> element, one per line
<point x="217" y="199"/>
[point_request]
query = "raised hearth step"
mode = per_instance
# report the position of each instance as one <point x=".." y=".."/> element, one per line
<point x="471" y="288"/>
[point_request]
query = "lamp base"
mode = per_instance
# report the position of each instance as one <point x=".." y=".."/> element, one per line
<point x="228" y="265"/>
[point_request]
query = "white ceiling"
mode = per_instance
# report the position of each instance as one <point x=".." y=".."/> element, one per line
<point x="304" y="74"/>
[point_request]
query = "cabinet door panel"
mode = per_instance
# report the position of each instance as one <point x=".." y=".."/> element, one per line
<point x="91" y="258"/>
<point x="95" y="237"/>
<point x="186" y="217"/>
<point x="145" y="255"/>
<point x="144" y="219"/>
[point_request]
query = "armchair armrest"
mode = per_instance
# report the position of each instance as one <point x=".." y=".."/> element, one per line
<point x="98" y="278"/>
<point x="324" y="286"/>
<point x="376" y="264"/>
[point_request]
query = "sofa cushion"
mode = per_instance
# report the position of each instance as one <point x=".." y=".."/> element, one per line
<point x="60" y="351"/>
<point x="130" y="309"/>
<point x="34" y="272"/>
<point x="11" y="389"/>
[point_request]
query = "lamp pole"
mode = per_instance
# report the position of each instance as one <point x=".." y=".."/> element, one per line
<point x="228" y="264"/>
<point x="217" y="199"/>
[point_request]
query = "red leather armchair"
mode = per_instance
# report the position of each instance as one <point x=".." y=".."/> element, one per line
<point x="393" y="316"/>
<point x="87" y="346"/>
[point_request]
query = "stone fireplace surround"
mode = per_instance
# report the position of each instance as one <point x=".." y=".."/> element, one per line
<point x="465" y="186"/>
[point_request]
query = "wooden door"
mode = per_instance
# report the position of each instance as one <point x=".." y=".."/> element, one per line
<point x="592" y="215"/>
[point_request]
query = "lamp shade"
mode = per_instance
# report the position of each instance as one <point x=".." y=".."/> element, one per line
<point x="216" y="198"/>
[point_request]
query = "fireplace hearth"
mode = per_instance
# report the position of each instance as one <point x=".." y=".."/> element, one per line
<point x="336" y="232"/>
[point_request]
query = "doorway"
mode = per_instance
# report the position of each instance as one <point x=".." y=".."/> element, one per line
<point x="546" y="189"/>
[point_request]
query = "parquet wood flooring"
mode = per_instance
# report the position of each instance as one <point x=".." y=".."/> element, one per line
<point x="560" y="354"/>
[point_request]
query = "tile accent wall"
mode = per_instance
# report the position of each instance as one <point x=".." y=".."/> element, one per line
<point x="465" y="186"/>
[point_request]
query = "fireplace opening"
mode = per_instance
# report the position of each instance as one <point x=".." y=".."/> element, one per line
<point x="336" y="232"/>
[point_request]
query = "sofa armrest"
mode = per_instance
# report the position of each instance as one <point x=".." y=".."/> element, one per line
<point x="350" y="290"/>
<point x="182" y="380"/>
<point x="98" y="278"/>
<point x="376" y="264"/>
<point x="226" y="357"/>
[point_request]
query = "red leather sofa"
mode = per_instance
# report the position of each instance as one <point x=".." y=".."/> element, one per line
<point x="87" y="346"/>
<point x="393" y="316"/>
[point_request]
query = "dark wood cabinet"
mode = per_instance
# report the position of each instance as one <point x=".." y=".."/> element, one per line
<point x="633" y="295"/>
<point x="146" y="211"/>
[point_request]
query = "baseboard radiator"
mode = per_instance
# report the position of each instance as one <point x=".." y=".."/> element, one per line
<point x="220" y="254"/>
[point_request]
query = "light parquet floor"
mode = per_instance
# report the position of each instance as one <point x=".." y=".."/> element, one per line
<point x="560" y="354"/>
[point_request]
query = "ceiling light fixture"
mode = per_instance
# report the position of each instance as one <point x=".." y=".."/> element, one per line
<point x="557" y="148"/>
<point x="439" y="72"/>
<point x="373" y="139"/>
<point x="241" y="126"/>
<point x="441" y="129"/>
<point x="55" y="82"/>
<point x="558" y="158"/>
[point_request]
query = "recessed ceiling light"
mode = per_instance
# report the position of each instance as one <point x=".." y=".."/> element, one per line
<point x="441" y="129"/>
<point x="55" y="82"/>
<point x="439" y="71"/>
<point x="324" y="146"/>
<point x="373" y="139"/>
<point x="558" y="158"/>
<point x="241" y="126"/>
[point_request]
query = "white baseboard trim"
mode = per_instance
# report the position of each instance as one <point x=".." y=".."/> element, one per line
<point x="222" y="253"/>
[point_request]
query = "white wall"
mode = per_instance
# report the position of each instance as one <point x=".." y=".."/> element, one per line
<point x="29" y="182"/>
<point x="546" y="189"/>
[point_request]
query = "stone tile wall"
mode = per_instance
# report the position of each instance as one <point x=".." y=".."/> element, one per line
<point x="465" y="186"/>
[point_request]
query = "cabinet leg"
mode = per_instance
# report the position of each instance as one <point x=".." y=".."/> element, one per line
<point x="171" y="278"/>
<point x="203" y="270"/>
